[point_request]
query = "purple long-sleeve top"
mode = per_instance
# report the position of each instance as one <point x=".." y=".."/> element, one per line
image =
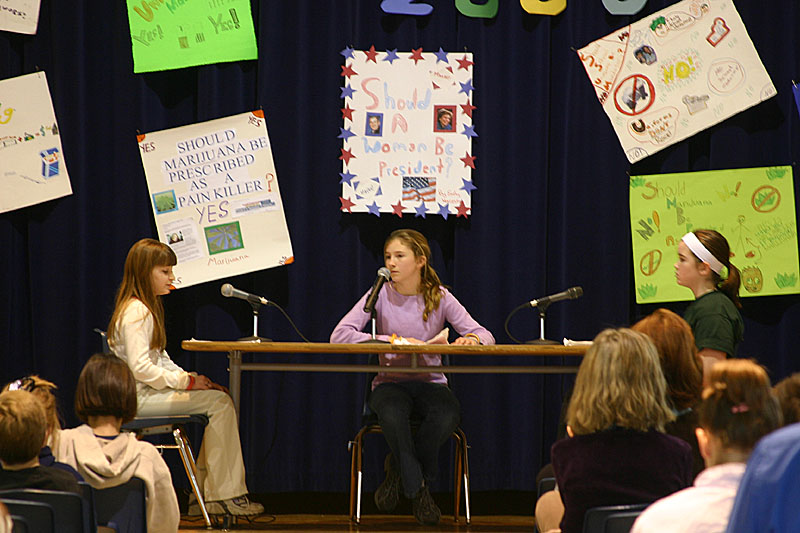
<point x="401" y="315"/>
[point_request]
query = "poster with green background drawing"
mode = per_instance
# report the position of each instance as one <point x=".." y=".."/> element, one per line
<point x="752" y="207"/>
<point x="171" y="34"/>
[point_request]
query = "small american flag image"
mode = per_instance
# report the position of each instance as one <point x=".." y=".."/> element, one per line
<point x="418" y="188"/>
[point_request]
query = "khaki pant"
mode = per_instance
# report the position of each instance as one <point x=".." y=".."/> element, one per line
<point x="220" y="468"/>
<point x="549" y="512"/>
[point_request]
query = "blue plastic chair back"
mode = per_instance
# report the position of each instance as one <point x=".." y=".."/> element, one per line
<point x="35" y="516"/>
<point x="70" y="510"/>
<point x="123" y="507"/>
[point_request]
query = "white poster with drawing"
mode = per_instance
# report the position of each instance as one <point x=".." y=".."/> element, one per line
<point x="675" y="73"/>
<point x="33" y="169"/>
<point x="407" y="135"/>
<point x="215" y="197"/>
<point x="19" y="16"/>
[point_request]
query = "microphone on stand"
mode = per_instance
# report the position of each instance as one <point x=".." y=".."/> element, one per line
<point x="229" y="291"/>
<point x="383" y="276"/>
<point x="569" y="294"/>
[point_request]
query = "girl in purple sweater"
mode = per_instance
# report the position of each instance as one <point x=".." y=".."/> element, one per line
<point x="415" y="306"/>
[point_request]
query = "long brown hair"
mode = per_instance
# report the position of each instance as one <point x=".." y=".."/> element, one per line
<point x="619" y="383"/>
<point x="430" y="286"/>
<point x="682" y="368"/>
<point x="719" y="248"/>
<point x="137" y="282"/>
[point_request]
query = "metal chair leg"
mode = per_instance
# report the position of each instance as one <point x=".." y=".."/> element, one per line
<point x="191" y="471"/>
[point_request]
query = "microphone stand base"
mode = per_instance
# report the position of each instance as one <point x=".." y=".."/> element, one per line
<point x="373" y="341"/>
<point x="542" y="342"/>
<point x="251" y="338"/>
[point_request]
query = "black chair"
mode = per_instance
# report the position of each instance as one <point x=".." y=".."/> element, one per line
<point x="19" y="524"/>
<point x="123" y="507"/>
<point x="546" y="484"/>
<point x="70" y="510"/>
<point x="173" y="425"/>
<point x="612" y="518"/>
<point x="370" y="425"/>
<point x="37" y="517"/>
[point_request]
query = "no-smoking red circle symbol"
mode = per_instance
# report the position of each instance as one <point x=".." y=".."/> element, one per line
<point x="634" y="95"/>
<point x="650" y="262"/>
<point x="765" y="199"/>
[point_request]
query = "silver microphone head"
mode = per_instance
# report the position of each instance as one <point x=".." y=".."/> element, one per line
<point x="385" y="273"/>
<point x="575" y="292"/>
<point x="226" y="290"/>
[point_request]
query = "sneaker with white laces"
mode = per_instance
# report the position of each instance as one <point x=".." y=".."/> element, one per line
<point x="241" y="506"/>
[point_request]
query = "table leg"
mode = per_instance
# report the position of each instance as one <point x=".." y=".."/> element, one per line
<point x="235" y="377"/>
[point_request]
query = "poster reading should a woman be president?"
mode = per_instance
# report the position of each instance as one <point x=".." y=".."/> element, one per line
<point x="215" y="197"/>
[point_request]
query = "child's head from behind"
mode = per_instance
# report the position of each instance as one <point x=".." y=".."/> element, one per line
<point x="619" y="383"/>
<point x="738" y="408"/>
<point x="106" y="387"/>
<point x="22" y="427"/>
<point x="788" y="393"/>
<point x="43" y="390"/>
<point x="674" y="341"/>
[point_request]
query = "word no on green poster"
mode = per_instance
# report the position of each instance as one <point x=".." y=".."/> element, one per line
<point x="171" y="34"/>
<point x="752" y="207"/>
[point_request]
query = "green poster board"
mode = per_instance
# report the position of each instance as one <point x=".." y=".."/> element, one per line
<point x="752" y="207"/>
<point x="170" y="34"/>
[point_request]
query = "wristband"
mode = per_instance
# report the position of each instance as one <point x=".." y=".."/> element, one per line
<point x="191" y="382"/>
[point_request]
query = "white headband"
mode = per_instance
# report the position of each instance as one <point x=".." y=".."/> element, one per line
<point x="697" y="248"/>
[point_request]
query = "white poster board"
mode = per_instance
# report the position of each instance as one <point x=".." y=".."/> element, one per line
<point x="675" y="73"/>
<point x="407" y="135"/>
<point x="19" y="16"/>
<point x="215" y="197"/>
<point x="33" y="169"/>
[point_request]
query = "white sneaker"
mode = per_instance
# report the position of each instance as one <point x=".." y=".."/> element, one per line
<point x="241" y="506"/>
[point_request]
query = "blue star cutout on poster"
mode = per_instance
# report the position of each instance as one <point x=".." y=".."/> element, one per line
<point x="467" y="87"/>
<point x="374" y="209"/>
<point x="347" y="91"/>
<point x="391" y="55"/>
<point x="421" y="210"/>
<point x="444" y="210"/>
<point x="469" y="131"/>
<point x="347" y="52"/>
<point x="347" y="177"/>
<point x="378" y="183"/>
<point x="441" y="55"/>
<point x="468" y="186"/>
<point x="345" y="134"/>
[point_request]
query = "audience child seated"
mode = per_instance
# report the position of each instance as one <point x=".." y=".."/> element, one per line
<point x="43" y="390"/>
<point x="738" y="409"/>
<point x="22" y="433"/>
<point x="768" y="496"/>
<point x="105" y="399"/>
<point x="683" y="370"/>
<point x="617" y="452"/>
<point x="788" y="393"/>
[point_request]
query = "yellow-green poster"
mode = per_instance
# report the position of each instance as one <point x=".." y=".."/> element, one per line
<point x="752" y="207"/>
<point x="170" y="34"/>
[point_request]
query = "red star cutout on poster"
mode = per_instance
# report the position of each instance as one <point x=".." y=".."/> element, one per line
<point x="464" y="63"/>
<point x="347" y="112"/>
<point x="398" y="208"/>
<point x="371" y="54"/>
<point x="346" y="204"/>
<point x="462" y="210"/>
<point x="467" y="109"/>
<point x="416" y="55"/>
<point x="469" y="160"/>
<point x="347" y="155"/>
<point x="348" y="71"/>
